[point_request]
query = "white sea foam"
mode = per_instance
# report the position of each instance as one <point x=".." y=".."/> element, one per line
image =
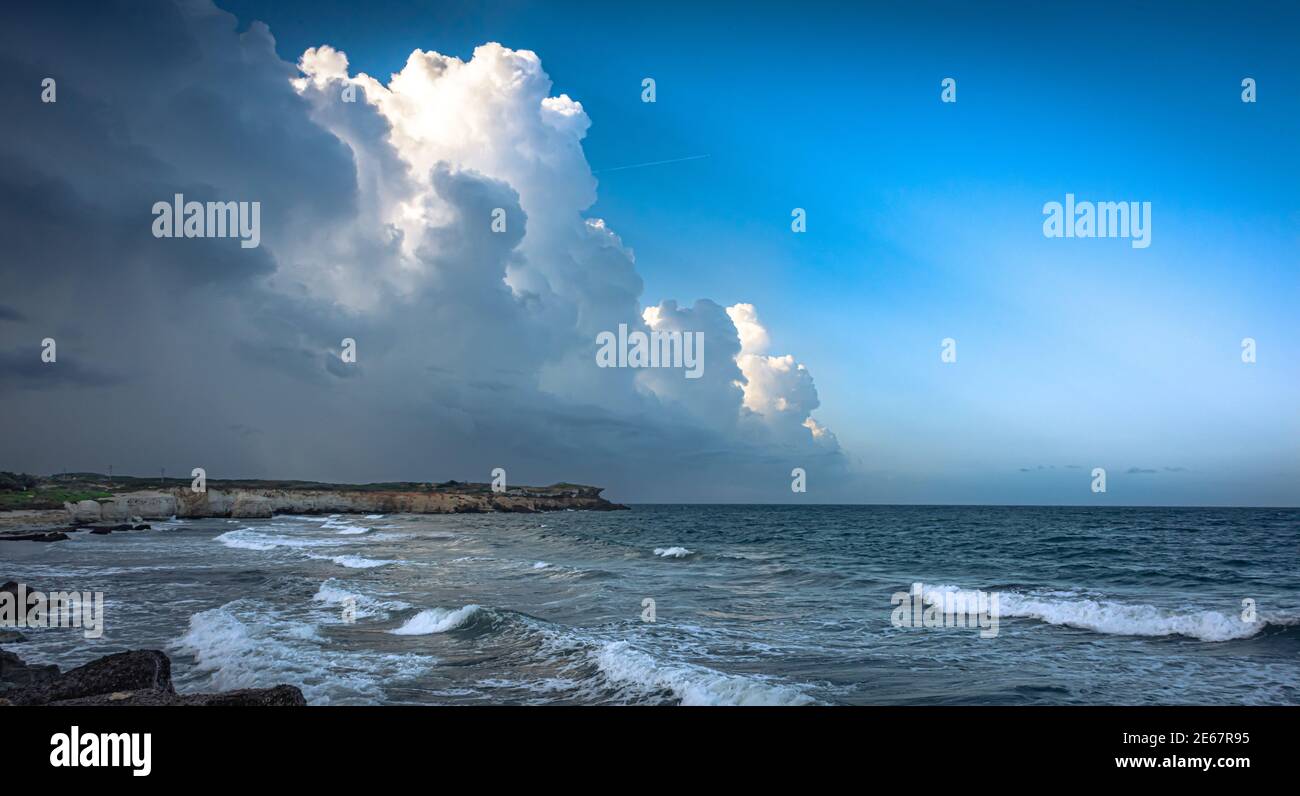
<point x="241" y="541"/>
<point x="436" y="620"/>
<point x="357" y="562"/>
<point x="331" y="592"/>
<point x="343" y="527"/>
<point x="243" y="645"/>
<point x="236" y="653"/>
<point x="1118" y="619"/>
<point x="252" y="539"/>
<point x="1132" y="619"/>
<point x="673" y="552"/>
<point x="692" y="685"/>
<point x="349" y="529"/>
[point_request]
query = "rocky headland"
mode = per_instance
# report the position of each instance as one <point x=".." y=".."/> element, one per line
<point x="98" y="504"/>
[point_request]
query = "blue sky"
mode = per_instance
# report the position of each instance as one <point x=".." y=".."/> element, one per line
<point x="924" y="218"/>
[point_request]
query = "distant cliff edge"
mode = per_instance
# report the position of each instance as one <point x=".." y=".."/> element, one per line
<point x="252" y="501"/>
<point x="89" y="498"/>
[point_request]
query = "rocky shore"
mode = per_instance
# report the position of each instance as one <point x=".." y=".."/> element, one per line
<point x="128" y="503"/>
<point x="137" y="677"/>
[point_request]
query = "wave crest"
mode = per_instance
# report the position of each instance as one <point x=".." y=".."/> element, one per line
<point x="673" y="552"/>
<point x="1118" y="619"/>
<point x="619" y="662"/>
<point x="436" y="620"/>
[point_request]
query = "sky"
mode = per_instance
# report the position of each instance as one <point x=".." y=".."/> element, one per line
<point x="475" y="349"/>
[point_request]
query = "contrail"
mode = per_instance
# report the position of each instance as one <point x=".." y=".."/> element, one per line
<point x="651" y="163"/>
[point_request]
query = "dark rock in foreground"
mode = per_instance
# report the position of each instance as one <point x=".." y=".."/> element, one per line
<point x="125" y="671"/>
<point x="36" y="536"/>
<point x="138" y="677"/>
<point x="278" y="696"/>
<point x="14" y="671"/>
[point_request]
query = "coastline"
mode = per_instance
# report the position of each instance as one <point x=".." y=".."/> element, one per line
<point x="123" y="504"/>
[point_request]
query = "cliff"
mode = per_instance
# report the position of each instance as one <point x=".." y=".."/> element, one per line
<point x="253" y="500"/>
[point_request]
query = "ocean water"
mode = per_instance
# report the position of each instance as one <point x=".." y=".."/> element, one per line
<point x="770" y="605"/>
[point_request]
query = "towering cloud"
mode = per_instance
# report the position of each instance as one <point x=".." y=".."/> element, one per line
<point x="440" y="220"/>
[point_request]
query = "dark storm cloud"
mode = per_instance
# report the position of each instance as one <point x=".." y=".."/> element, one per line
<point x="198" y="352"/>
<point x="24" y="370"/>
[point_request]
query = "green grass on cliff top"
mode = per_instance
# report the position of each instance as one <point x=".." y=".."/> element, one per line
<point x="42" y="499"/>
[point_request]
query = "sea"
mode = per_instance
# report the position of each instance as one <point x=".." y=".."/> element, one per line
<point x="699" y="605"/>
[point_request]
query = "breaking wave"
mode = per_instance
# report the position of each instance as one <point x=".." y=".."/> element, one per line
<point x="436" y="620"/>
<point x="1120" y="619"/>
<point x="673" y="552"/>
<point x="692" y="685"/>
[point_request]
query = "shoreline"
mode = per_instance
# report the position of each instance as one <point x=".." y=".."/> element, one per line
<point x="130" y="505"/>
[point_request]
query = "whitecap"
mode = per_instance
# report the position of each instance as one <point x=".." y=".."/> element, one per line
<point x="357" y="562"/>
<point x="332" y="592"/>
<point x="245" y="645"/>
<point x="692" y="685"/>
<point x="673" y="552"/>
<point x="1115" y="618"/>
<point x="436" y="620"/>
<point x="252" y="539"/>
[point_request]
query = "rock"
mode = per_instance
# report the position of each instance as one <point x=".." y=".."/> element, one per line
<point x="146" y="696"/>
<point x="277" y="696"/>
<point x="152" y="505"/>
<point x="100" y="530"/>
<point x="35" y="536"/>
<point x="15" y="673"/>
<point x="125" y="671"/>
<point x="138" y="677"/>
<point x="84" y="511"/>
<point x="250" y="506"/>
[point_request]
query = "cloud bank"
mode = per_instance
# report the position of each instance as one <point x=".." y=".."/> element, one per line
<point x="440" y="220"/>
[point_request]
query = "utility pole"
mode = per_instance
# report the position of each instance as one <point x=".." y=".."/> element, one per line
<point x="110" y="475"/>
